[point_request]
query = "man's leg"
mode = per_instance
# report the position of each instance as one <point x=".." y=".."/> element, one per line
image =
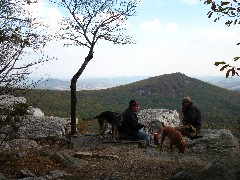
<point x="143" y="136"/>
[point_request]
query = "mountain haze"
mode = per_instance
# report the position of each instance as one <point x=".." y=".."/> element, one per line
<point x="88" y="83"/>
<point x="217" y="104"/>
<point x="231" y="83"/>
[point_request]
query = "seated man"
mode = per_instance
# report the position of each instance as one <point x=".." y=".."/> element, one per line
<point x="130" y="127"/>
<point x="191" y="119"/>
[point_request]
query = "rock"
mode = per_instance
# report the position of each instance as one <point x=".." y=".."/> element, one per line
<point x="182" y="176"/>
<point x="2" y="177"/>
<point x="216" y="144"/>
<point x="18" y="144"/>
<point x="57" y="174"/>
<point x="217" y="171"/>
<point x="95" y="155"/>
<point x="154" y="117"/>
<point x="26" y="173"/>
<point x="9" y="100"/>
<point x="63" y="158"/>
<point x="37" y="127"/>
<point x="34" y="111"/>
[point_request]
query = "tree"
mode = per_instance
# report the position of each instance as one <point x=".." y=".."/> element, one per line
<point x="231" y="10"/>
<point x="20" y="35"/>
<point x="91" y="21"/>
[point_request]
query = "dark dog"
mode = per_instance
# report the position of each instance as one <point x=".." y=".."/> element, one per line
<point x="109" y="117"/>
<point x="175" y="138"/>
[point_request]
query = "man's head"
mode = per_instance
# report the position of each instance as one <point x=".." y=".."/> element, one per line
<point x="133" y="105"/>
<point x="186" y="102"/>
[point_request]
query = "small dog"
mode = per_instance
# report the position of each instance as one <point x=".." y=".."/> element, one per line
<point x="175" y="138"/>
<point x="109" y="117"/>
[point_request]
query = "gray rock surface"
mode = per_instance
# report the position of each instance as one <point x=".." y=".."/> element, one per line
<point x="19" y="144"/>
<point x="34" y="111"/>
<point x="154" y="117"/>
<point x="9" y="100"/>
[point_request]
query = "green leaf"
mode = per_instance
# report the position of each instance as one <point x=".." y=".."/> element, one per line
<point x="227" y="73"/>
<point x="236" y="58"/>
<point x="224" y="3"/>
<point x="235" y="22"/>
<point x="213" y="7"/>
<point x="208" y="1"/>
<point x="224" y="67"/>
<point x="210" y="14"/>
<point x="218" y="63"/>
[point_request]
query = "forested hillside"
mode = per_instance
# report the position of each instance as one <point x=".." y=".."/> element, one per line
<point x="219" y="106"/>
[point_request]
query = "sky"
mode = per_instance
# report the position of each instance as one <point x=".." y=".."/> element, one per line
<point x="171" y="36"/>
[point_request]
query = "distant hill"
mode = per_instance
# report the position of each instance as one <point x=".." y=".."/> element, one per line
<point x="88" y="83"/>
<point x="219" y="106"/>
<point x="231" y="83"/>
<point x="94" y="83"/>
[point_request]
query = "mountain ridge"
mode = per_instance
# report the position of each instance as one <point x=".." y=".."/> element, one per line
<point x="218" y="105"/>
<point x="95" y="83"/>
<point x="87" y="84"/>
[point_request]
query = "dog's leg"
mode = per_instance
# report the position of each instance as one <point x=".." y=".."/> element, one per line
<point x="162" y="140"/>
<point x="105" y="126"/>
<point x="101" y="126"/>
<point x="114" y="130"/>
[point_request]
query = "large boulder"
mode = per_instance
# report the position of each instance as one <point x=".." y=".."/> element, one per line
<point x="34" y="111"/>
<point x="218" y="150"/>
<point x="154" y="117"/>
<point x="8" y="103"/>
<point x="35" y="127"/>
<point x="9" y="100"/>
<point x="215" y="143"/>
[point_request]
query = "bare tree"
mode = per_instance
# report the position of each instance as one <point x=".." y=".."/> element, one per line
<point x="91" y="21"/>
<point x="20" y="35"/>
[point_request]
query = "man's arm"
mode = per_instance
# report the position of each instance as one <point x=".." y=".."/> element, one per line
<point x="190" y="116"/>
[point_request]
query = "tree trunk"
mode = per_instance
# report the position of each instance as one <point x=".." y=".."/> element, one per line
<point x="73" y="92"/>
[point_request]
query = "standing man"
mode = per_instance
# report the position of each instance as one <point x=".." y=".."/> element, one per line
<point x="130" y="127"/>
<point x="191" y="118"/>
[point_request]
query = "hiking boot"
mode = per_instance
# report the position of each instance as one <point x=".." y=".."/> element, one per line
<point x="142" y="144"/>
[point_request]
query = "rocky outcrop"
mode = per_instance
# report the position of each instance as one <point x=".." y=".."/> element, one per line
<point x="217" y="151"/>
<point x="20" y="144"/>
<point x="9" y="100"/>
<point x="31" y="127"/>
<point x="34" y="111"/>
<point x="154" y="117"/>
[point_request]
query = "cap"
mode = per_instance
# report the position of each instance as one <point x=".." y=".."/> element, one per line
<point x="186" y="99"/>
<point x="133" y="103"/>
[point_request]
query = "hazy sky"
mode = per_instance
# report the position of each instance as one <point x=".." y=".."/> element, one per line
<point x="171" y="35"/>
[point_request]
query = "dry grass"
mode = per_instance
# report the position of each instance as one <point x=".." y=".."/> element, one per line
<point x="11" y="163"/>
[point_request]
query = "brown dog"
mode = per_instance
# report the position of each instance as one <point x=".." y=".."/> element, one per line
<point x="109" y="117"/>
<point x="175" y="138"/>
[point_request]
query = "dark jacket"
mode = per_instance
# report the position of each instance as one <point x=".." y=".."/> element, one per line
<point x="130" y="125"/>
<point x="192" y="115"/>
